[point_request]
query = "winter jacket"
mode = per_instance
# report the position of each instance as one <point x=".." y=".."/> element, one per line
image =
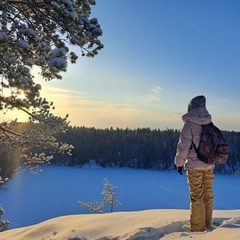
<point x="186" y="155"/>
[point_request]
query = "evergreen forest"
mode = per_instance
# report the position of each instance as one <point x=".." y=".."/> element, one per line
<point x="140" y="148"/>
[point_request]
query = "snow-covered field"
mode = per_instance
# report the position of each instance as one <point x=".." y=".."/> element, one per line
<point x="154" y="205"/>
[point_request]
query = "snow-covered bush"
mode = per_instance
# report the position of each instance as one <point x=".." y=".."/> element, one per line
<point x="3" y="223"/>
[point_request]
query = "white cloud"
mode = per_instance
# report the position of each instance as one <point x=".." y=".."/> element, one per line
<point x="84" y="111"/>
<point x="152" y="97"/>
<point x="157" y="89"/>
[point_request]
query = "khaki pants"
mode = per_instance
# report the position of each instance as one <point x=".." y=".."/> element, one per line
<point x="200" y="184"/>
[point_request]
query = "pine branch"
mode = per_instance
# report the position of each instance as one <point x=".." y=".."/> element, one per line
<point x="8" y="130"/>
<point x="40" y="3"/>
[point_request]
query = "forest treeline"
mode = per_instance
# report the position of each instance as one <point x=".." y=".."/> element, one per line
<point x="140" y="148"/>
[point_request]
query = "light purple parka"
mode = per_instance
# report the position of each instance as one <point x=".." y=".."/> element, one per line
<point x="186" y="155"/>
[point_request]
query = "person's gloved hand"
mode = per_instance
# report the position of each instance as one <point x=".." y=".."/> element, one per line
<point x="179" y="169"/>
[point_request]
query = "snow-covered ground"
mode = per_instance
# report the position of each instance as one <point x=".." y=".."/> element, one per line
<point x="154" y="205"/>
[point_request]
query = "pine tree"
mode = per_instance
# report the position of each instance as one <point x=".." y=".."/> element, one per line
<point x="109" y="193"/>
<point x="38" y="34"/>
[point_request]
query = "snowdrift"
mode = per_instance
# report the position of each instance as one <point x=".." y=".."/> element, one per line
<point x="139" y="225"/>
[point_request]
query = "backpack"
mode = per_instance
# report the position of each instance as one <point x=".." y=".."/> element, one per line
<point x="213" y="148"/>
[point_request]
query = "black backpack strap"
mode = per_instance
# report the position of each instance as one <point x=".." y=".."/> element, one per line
<point x="193" y="144"/>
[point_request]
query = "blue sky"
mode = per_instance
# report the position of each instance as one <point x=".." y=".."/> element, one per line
<point x="158" y="55"/>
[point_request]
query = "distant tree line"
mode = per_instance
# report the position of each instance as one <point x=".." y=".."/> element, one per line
<point x="140" y="148"/>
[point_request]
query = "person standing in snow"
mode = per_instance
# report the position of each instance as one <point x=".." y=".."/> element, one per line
<point x="199" y="174"/>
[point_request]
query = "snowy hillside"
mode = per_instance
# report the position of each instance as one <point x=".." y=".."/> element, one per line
<point x="140" y="225"/>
